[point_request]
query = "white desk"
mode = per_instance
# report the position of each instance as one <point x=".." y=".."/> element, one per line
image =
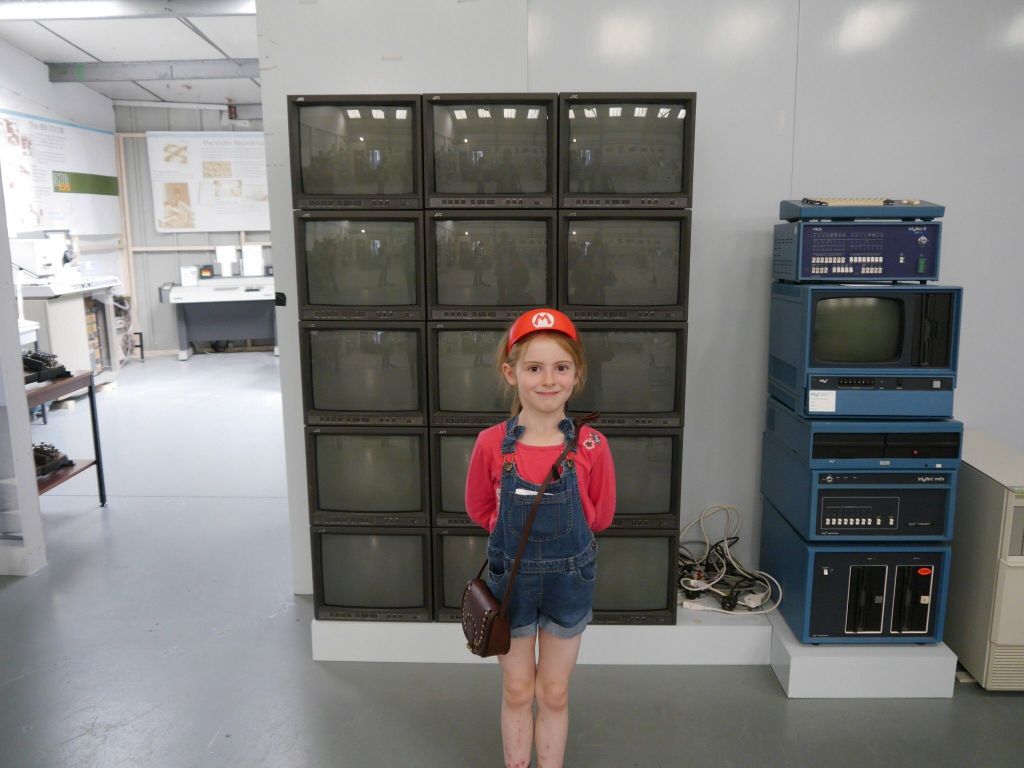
<point x="223" y="308"/>
<point x="78" y="285"/>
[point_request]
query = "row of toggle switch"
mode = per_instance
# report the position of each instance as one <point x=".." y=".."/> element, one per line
<point x="832" y="522"/>
<point x="846" y="270"/>
<point x="846" y="260"/>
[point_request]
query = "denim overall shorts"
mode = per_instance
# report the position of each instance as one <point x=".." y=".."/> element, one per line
<point x="554" y="588"/>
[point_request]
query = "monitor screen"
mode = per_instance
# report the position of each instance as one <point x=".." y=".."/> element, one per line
<point x="363" y="263"/>
<point x="369" y="570"/>
<point x="466" y="376"/>
<point x="495" y="149"/>
<point x="491" y="262"/>
<point x="627" y="147"/>
<point x="365" y="369"/>
<point x="357" y="149"/>
<point x="357" y="472"/>
<point x="633" y="574"/>
<point x="625" y="262"/>
<point x="630" y="371"/>
<point x="454" y="452"/>
<point x="461" y="556"/>
<point x="644" y="474"/>
<point x="857" y="329"/>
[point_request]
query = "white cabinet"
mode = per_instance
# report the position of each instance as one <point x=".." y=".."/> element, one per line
<point x="985" y="613"/>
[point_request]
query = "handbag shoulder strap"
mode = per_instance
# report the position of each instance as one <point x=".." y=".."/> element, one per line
<point x="570" y="446"/>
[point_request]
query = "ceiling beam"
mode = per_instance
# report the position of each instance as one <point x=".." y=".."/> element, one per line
<point x="112" y="71"/>
<point x="29" y="10"/>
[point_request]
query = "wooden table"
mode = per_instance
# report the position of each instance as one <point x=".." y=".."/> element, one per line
<point x="38" y="394"/>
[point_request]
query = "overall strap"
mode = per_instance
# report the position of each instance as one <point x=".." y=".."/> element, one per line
<point x="570" y="446"/>
<point x="512" y="432"/>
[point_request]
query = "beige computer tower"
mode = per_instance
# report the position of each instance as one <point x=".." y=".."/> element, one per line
<point x="985" y="614"/>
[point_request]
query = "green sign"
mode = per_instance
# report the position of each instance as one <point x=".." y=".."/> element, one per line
<point x="84" y="183"/>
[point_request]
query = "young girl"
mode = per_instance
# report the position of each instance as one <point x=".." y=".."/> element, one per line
<point x="541" y="362"/>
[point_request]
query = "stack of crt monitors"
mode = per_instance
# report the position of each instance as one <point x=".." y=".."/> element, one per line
<point x="357" y="187"/>
<point x="860" y="450"/>
<point x="424" y="225"/>
<point x="626" y="172"/>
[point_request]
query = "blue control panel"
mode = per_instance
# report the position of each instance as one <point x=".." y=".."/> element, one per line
<point x="858" y="505"/>
<point x="863" y="251"/>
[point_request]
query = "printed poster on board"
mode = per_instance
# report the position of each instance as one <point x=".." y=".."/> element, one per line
<point x="209" y="181"/>
<point x="58" y="175"/>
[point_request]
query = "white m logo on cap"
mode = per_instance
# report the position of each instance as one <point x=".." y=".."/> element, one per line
<point x="543" y="320"/>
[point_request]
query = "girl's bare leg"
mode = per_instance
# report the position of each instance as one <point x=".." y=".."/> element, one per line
<point x="556" y="661"/>
<point x="518" y="673"/>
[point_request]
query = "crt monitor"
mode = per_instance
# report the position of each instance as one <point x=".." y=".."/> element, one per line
<point x="626" y="150"/>
<point x="858" y="330"/>
<point x="363" y="373"/>
<point x="450" y="451"/>
<point x="635" y="373"/>
<point x="864" y="351"/>
<point x="363" y="476"/>
<point x="900" y="327"/>
<point x="371" y="574"/>
<point x="489" y="265"/>
<point x="464" y="385"/>
<point x="648" y="476"/>
<point x="459" y="554"/>
<point x="355" y="152"/>
<point x="624" y="264"/>
<point x="636" y="577"/>
<point x="489" y="150"/>
<point x="360" y="265"/>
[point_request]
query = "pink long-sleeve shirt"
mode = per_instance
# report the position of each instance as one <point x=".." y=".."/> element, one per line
<point x="595" y="473"/>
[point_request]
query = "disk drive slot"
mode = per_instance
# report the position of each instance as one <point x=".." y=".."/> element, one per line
<point x="912" y="599"/>
<point x="1015" y="546"/>
<point x="866" y="599"/>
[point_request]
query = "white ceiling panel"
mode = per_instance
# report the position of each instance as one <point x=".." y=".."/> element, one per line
<point x="235" y="35"/>
<point x="123" y="91"/>
<point x="136" y="39"/>
<point x="207" y="91"/>
<point x="40" y="43"/>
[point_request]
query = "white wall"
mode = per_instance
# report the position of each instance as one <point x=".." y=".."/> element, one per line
<point x="832" y="97"/>
<point x="25" y="87"/>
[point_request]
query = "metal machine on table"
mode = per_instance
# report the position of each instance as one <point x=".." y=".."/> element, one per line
<point x="72" y="312"/>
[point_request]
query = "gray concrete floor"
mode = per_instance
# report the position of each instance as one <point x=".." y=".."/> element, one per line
<point x="163" y="632"/>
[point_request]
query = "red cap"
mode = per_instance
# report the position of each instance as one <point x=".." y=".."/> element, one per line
<point x="543" y="319"/>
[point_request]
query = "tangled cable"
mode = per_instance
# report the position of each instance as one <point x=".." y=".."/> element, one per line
<point x="717" y="572"/>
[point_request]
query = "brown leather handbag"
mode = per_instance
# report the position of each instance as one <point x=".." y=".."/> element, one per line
<point x="484" y="619"/>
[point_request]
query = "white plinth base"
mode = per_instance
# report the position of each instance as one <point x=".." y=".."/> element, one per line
<point x="12" y="558"/>
<point x="697" y="638"/>
<point x="860" y="671"/>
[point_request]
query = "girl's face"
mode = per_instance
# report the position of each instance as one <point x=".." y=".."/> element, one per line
<point x="544" y="375"/>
